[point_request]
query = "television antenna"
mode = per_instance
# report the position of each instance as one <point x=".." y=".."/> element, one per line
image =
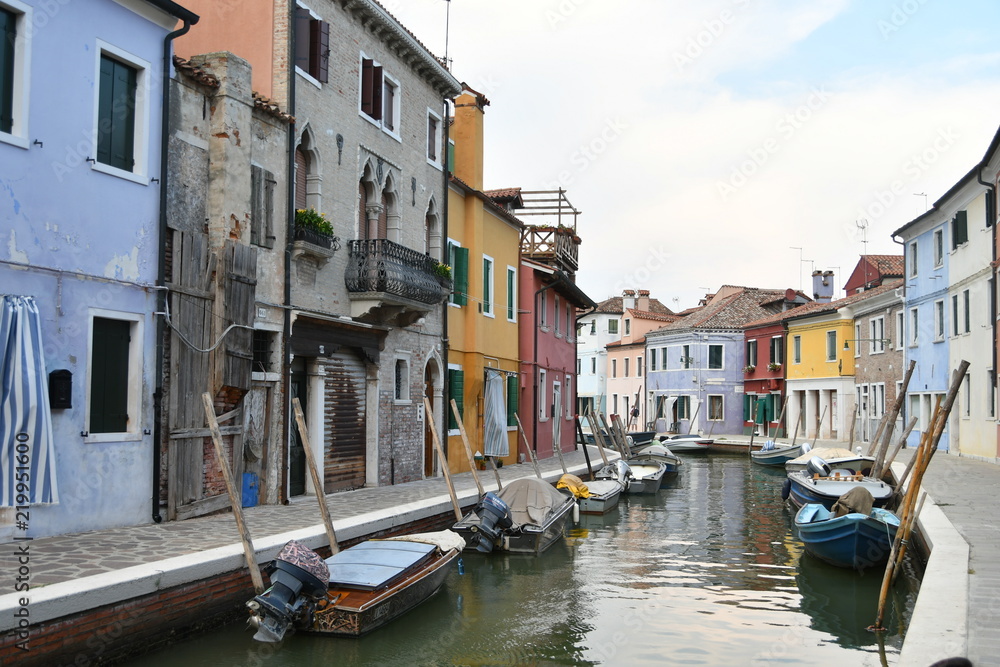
<point x="862" y="225"/>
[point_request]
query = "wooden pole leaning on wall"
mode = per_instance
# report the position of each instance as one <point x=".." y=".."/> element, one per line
<point x="468" y="447"/>
<point x="795" y="432"/>
<point x="556" y="445"/>
<point x="444" y="461"/>
<point x="583" y="445"/>
<point x="300" y="421"/>
<point x="897" y="406"/>
<point x="531" y="452"/>
<point x="595" y="429"/>
<point x="854" y="424"/>
<point x="899" y="445"/>
<point x="781" y="415"/>
<point x="234" y="499"/>
<point x="613" y="434"/>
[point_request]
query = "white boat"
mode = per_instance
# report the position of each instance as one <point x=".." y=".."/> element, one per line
<point x="818" y="483"/>
<point x="684" y="443"/>
<point x="596" y="497"/>
<point x="772" y="454"/>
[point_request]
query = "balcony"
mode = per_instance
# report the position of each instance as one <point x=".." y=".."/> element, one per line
<point x="391" y="284"/>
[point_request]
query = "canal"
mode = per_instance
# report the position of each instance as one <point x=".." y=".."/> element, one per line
<point x="706" y="572"/>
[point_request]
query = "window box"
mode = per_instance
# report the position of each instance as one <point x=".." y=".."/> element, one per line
<point x="749" y="369"/>
<point x="773" y="367"/>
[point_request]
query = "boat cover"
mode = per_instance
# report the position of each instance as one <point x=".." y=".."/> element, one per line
<point x="574" y="485"/>
<point x="858" y="500"/>
<point x="531" y="500"/>
<point x="373" y="564"/>
<point x="445" y="540"/>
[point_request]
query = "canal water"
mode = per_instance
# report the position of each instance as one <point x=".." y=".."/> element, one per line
<point x="706" y="572"/>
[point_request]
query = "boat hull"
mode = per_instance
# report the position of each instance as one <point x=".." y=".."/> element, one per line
<point x="601" y="503"/>
<point x="353" y="613"/>
<point x="646" y="477"/>
<point x="853" y="540"/>
<point x="777" y="456"/>
<point x="804" y="489"/>
<point x="861" y="464"/>
<point x="528" y="539"/>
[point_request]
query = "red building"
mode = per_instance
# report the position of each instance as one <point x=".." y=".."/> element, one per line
<point x="872" y="271"/>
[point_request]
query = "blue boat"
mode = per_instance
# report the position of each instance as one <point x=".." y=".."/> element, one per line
<point x="852" y="540"/>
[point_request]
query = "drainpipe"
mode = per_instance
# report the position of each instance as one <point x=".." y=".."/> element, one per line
<point x="188" y="19"/>
<point x="286" y="318"/>
<point x="905" y="406"/>
<point x="534" y="422"/>
<point x="445" y="341"/>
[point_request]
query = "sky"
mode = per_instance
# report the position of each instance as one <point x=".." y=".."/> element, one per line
<point x="726" y="142"/>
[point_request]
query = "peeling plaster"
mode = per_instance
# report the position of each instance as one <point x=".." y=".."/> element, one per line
<point x="15" y="254"/>
<point x="124" y="267"/>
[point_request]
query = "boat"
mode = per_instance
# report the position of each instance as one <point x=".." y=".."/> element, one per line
<point x="356" y="590"/>
<point x="632" y="438"/>
<point x="837" y="458"/>
<point x="855" y="539"/>
<point x="660" y="454"/>
<point x="618" y="471"/>
<point x="772" y="454"/>
<point x="820" y="484"/>
<point x="685" y="443"/>
<point x="526" y="516"/>
<point x="596" y="497"/>
<point x="647" y="476"/>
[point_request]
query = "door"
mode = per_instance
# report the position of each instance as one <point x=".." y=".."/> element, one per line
<point x="296" y="452"/>
<point x="345" y="427"/>
<point x="556" y="413"/>
<point x="428" y="438"/>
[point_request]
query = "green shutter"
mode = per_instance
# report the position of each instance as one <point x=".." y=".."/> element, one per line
<point x="451" y="157"/>
<point x="109" y="376"/>
<point x="762" y="410"/>
<point x="116" y="114"/>
<point x="460" y="273"/>
<point x="512" y="399"/>
<point x="456" y="391"/>
<point x="8" y="34"/>
<point x="747" y="402"/>
<point x="510" y="294"/>
<point x="960" y="229"/>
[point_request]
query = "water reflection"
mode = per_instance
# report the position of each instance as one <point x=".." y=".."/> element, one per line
<point x="705" y="572"/>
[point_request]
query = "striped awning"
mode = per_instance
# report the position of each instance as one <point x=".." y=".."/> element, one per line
<point x="27" y="459"/>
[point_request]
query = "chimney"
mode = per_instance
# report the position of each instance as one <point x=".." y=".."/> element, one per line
<point x="643" y="302"/>
<point x="822" y="286"/>
<point x="467" y="133"/>
<point x="628" y="299"/>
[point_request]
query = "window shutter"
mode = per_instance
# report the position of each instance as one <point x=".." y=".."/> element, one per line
<point x="8" y="34"/>
<point x="431" y="138"/>
<point x="256" y="204"/>
<point x="267" y="227"/>
<point x="303" y="34"/>
<point x="451" y="157"/>
<point x="109" y="376"/>
<point x="116" y="114"/>
<point x="456" y="391"/>
<point x="461" y="275"/>
<point x="319" y="50"/>
<point x="747" y="402"/>
<point x="377" y="93"/>
<point x="512" y="399"/>
<point x="371" y="89"/>
<point x="104" y="102"/>
<point x="960" y="229"/>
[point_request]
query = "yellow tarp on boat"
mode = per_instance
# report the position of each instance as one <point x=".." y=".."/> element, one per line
<point x="574" y="485"/>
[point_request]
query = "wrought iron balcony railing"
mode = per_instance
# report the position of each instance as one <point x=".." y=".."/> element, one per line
<point x="380" y="265"/>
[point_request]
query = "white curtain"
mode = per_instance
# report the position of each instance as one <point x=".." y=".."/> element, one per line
<point x="495" y="424"/>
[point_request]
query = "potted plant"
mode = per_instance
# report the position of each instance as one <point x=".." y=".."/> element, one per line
<point x="774" y="366"/>
<point x="313" y="227"/>
<point x="749" y="369"/>
<point x="442" y="271"/>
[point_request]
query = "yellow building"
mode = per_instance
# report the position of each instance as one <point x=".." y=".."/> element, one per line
<point x="484" y="246"/>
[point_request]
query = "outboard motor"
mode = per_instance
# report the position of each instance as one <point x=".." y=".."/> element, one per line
<point x="494" y="518"/>
<point x="299" y="577"/>
<point x="817" y="466"/>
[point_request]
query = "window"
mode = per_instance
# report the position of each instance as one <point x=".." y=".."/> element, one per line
<point x="543" y="310"/>
<point x="262" y="184"/>
<point x="458" y="259"/>
<point x="911" y="259"/>
<point x="831" y="345"/>
<point x="686" y="356"/>
<point x="593" y="327"/>
<point x="967" y="396"/>
<point x="652" y="359"/>
<point x="380" y="96"/>
<point x="593" y="365"/>
<point x="954" y="315"/>
<point x="638" y="366"/>
<point x="938" y="248"/>
<point x="797" y="349"/>
<point x="715" y="357"/>
<point x="991" y="394"/>
<point x="116" y="114"/>
<point x="15" y="51"/>
<point x="914" y="326"/>
<point x="390" y="104"/>
<point x="557" y="314"/>
<point x="777" y="350"/>
<point x="614" y="404"/>
<point x="939" y="321"/>
<point x="402" y="380"/>
<point x="456" y="392"/>
<point x="512" y="400"/>
<point x="614" y="368"/>
<point x="487" y="286"/>
<point x="511" y="294"/>
<point x="628" y="327"/>
<point x="115" y="373"/>
<point x="959" y="229"/>
<point x="716" y="412"/>
<point x="612" y="326"/>
<point x="626" y="366"/>
<point x="967" y="312"/>
<point x="312" y="45"/>
<point x="433" y="138"/>
<point x="751" y="352"/>
<point x="568" y="392"/>
<point x="263" y="342"/>
<point x="683" y="407"/>
<point x="899" y="330"/>
<point x="857" y="340"/>
<point x="579" y="366"/>
<point x="876" y="330"/>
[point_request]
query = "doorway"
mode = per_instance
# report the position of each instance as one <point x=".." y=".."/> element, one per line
<point x="296" y="452"/>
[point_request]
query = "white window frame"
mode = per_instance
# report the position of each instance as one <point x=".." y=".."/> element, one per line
<point x="304" y="73"/>
<point x="939" y="321"/>
<point x="543" y="404"/>
<point x="722" y="355"/>
<point x="543" y="307"/>
<point x="626" y="366"/>
<point x="405" y="399"/>
<point x="614" y="368"/>
<point x="557" y="315"/>
<point x="900" y="329"/>
<point x="708" y="407"/>
<point x="614" y="321"/>
<point x="489" y="287"/>
<point x="831" y="350"/>
<point x="392" y="82"/>
<point x="752" y="352"/>
<point x="911" y="260"/>
<point x="777" y="344"/>
<point x="966" y="311"/>
<point x="18" y="135"/>
<point x="796" y="349"/>
<point x="511" y="287"/>
<point x="914" y="326"/>
<point x="638" y="366"/>
<point x="438" y="145"/>
<point x="967" y="396"/>
<point x="876" y="327"/>
<point x="938" y="246"/>
<point x="450" y="259"/>
<point x="141" y="135"/>
<point x="857" y="340"/>
<point x="593" y="365"/>
<point x="135" y="375"/>
<point x="568" y="393"/>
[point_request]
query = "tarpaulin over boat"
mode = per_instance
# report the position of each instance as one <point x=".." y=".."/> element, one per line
<point x="495" y="419"/>
<point x="531" y="500"/>
<point x="858" y="500"/>
<point x="27" y="459"/>
<point x="574" y="485"/>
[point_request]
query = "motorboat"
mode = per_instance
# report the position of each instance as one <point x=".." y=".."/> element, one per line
<point x="857" y="540"/>
<point x="687" y="444"/>
<point x="660" y="454"/>
<point x="837" y="458"/>
<point x="819" y="483"/>
<point x="647" y="475"/>
<point x="773" y="454"/>
<point x="596" y="497"/>
<point x="356" y="590"/>
<point x="526" y="516"/>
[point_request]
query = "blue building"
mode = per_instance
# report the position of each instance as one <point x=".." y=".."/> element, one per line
<point x="80" y="237"/>
<point x="695" y="372"/>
